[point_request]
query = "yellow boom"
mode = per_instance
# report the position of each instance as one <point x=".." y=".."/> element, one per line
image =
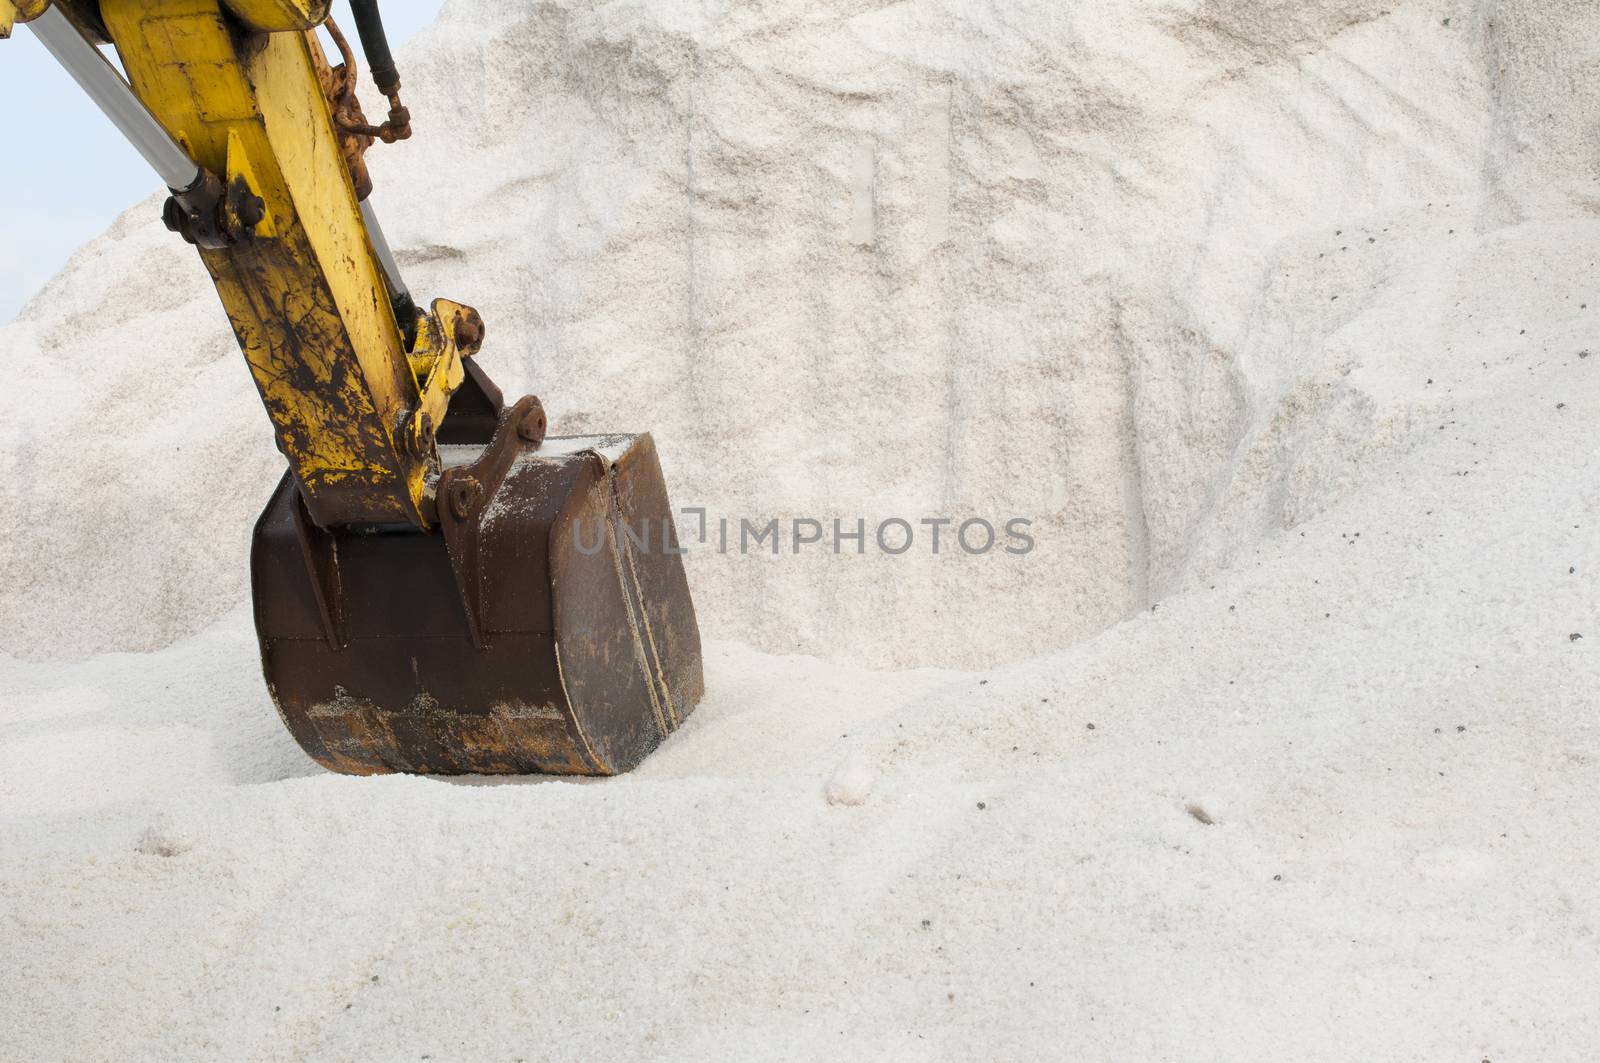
<point x="306" y="298"/>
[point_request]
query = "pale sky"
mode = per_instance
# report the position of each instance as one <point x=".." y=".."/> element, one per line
<point x="66" y="172"/>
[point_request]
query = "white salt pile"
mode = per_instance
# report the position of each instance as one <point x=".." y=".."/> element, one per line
<point x="1274" y="319"/>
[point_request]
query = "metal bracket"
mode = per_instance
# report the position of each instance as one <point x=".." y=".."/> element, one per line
<point x="465" y="492"/>
<point x="246" y="207"/>
<point x="446" y="336"/>
<point x="215" y="215"/>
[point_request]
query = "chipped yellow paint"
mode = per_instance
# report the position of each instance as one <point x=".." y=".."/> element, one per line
<point x="239" y="166"/>
<point x="273" y="16"/>
<point x="439" y="366"/>
<point x="26" y="10"/>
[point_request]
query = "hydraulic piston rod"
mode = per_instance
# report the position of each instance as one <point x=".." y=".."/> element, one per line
<point x="405" y="309"/>
<point x="96" y="76"/>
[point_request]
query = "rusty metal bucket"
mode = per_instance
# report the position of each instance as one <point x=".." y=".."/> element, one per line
<point x="546" y="627"/>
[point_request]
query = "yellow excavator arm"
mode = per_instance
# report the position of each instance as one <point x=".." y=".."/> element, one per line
<point x="247" y="94"/>
<point x="427" y="598"/>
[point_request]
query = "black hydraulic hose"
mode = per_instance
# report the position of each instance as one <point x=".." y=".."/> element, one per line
<point x="375" y="43"/>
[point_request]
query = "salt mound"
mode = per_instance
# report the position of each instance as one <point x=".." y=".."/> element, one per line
<point x="1163" y="277"/>
<point x="1324" y="808"/>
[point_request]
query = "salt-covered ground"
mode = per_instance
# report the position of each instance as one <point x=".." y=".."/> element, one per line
<point x="1281" y="745"/>
<point x="1382" y="714"/>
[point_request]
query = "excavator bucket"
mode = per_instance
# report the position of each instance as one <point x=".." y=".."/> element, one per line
<point x="545" y="626"/>
<point x="438" y="587"/>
